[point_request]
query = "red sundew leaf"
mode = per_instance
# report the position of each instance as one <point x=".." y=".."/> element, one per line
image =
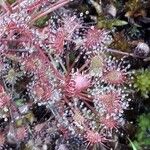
<point x="110" y="101"/>
<point x="57" y="41"/>
<point x="108" y="123"/>
<point x="21" y="133"/>
<point x="17" y="37"/>
<point x="76" y="83"/>
<point x="95" y="37"/>
<point x="4" y="98"/>
<point x="114" y="77"/>
<point x="70" y="25"/>
<point x="41" y="89"/>
<point x="39" y="127"/>
<point x="42" y="92"/>
<point x="81" y="82"/>
<point x="1" y="89"/>
<point x="94" y="137"/>
<point x="69" y="87"/>
<point x="35" y="62"/>
<point x="2" y="139"/>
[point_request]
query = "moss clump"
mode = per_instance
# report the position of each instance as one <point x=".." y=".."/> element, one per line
<point x="142" y="140"/>
<point x="142" y="82"/>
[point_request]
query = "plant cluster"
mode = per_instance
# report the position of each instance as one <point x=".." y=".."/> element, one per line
<point x="63" y="68"/>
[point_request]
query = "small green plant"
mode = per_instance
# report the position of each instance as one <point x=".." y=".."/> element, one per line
<point x="132" y="145"/>
<point x="142" y="82"/>
<point x="142" y="140"/>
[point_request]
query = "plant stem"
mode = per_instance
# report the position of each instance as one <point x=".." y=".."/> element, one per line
<point x="120" y="52"/>
<point x="123" y="53"/>
<point x="53" y="7"/>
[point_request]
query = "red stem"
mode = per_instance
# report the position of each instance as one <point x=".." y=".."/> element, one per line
<point x="53" y="7"/>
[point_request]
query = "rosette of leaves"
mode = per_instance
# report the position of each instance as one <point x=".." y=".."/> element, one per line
<point x="142" y="140"/>
<point x="142" y="82"/>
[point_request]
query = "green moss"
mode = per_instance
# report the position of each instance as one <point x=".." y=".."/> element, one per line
<point x="142" y="82"/>
<point x="143" y="136"/>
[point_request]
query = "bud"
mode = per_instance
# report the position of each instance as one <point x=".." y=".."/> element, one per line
<point x="142" y="50"/>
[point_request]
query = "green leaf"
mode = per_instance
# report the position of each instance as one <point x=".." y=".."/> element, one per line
<point x="132" y="145"/>
<point x="72" y="56"/>
<point x="19" y="102"/>
<point x="41" y="22"/>
<point x="111" y="23"/>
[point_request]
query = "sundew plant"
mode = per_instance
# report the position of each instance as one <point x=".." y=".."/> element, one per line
<point x="60" y="87"/>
